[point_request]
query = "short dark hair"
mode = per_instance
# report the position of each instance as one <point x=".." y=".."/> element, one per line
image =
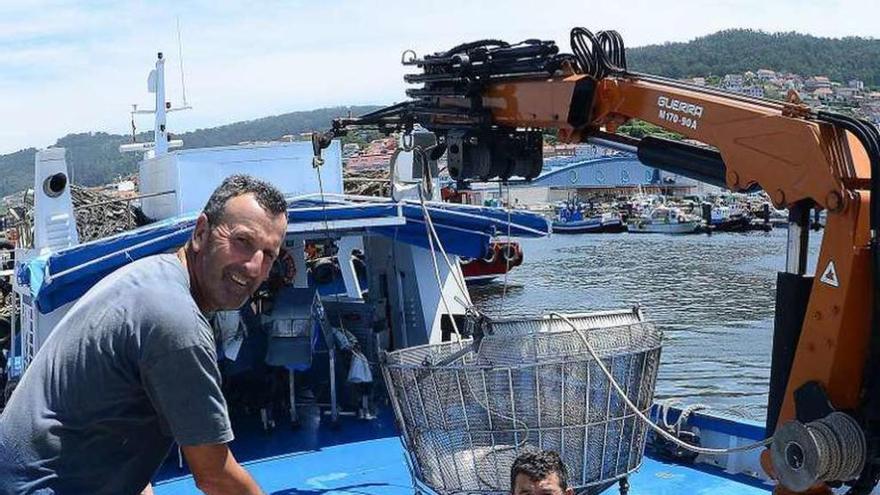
<point x="537" y="465"/>
<point x="267" y="195"/>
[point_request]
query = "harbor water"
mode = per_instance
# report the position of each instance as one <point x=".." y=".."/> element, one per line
<point x="713" y="297"/>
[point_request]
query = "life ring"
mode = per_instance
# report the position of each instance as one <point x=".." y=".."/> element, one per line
<point x="510" y="253"/>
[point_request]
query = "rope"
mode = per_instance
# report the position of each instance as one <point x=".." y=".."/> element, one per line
<point x="663" y="408"/>
<point x="428" y="230"/>
<point x="455" y="273"/>
<point x="506" y="259"/>
<point x="685" y="414"/>
<point x="316" y="164"/>
<point x="660" y="431"/>
<point x="433" y="231"/>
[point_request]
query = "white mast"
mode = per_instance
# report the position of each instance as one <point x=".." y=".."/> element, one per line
<point x="161" y="143"/>
<point x="157" y="77"/>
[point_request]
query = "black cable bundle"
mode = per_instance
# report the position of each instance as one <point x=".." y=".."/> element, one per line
<point x="598" y="54"/>
<point x="469" y="63"/>
<point x="463" y="71"/>
<point x="615" y="52"/>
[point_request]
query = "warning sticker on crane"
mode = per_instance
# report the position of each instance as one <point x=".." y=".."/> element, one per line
<point x="829" y="276"/>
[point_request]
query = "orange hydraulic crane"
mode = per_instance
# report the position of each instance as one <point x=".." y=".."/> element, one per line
<point x="488" y="102"/>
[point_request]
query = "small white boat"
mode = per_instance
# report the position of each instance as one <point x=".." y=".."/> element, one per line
<point x="664" y="220"/>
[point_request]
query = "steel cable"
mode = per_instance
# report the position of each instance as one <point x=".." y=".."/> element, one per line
<point x="660" y="431"/>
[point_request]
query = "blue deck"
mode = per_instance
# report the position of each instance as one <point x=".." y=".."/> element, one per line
<point x="366" y="458"/>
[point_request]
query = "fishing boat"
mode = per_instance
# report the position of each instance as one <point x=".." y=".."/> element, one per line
<point x="413" y="296"/>
<point x="572" y="220"/>
<point x="607" y="223"/>
<point x="664" y="220"/>
<point x="612" y="223"/>
<point x="592" y="225"/>
<point x="347" y="435"/>
<point x="732" y="218"/>
<point x="350" y="435"/>
<point x="501" y="257"/>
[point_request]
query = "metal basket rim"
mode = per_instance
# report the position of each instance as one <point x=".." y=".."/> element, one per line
<point x="550" y="317"/>
<point x="385" y="362"/>
<point x="579" y="357"/>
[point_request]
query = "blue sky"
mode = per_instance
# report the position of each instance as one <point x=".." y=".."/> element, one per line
<point x="78" y="66"/>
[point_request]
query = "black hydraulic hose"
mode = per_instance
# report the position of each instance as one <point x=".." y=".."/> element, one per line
<point x="474" y="44"/>
<point x="587" y="50"/>
<point x="604" y="53"/>
<point x="392" y="110"/>
<point x="615" y="52"/>
<point x="598" y="54"/>
<point x="525" y="50"/>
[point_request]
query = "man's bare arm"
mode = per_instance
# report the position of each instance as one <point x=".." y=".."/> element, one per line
<point x="148" y="490"/>
<point x="216" y="471"/>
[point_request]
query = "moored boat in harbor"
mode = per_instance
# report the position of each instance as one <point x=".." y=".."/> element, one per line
<point x="606" y="223"/>
<point x="501" y="257"/>
<point x="664" y="220"/>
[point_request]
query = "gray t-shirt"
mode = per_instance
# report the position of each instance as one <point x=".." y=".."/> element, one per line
<point x="131" y="368"/>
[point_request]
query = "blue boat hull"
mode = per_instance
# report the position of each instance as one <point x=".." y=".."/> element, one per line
<point x="589" y="226"/>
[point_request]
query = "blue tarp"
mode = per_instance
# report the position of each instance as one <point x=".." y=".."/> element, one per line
<point x="58" y="278"/>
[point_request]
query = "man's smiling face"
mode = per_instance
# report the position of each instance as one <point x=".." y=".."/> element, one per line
<point x="234" y="256"/>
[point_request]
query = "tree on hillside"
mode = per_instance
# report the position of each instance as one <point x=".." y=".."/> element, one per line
<point x="739" y="50"/>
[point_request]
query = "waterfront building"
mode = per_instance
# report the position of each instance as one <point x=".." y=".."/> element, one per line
<point x="823" y="94"/>
<point x="845" y="93"/>
<point x="732" y="81"/>
<point x="377" y="155"/>
<point x="817" y="82"/>
<point x="765" y="75"/>
<point x="856" y="84"/>
<point x="614" y="175"/>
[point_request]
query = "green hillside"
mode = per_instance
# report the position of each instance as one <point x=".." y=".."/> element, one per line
<point x="94" y="158"/>
<point x="740" y="50"/>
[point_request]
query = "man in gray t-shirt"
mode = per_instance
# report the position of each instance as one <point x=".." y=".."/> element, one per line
<point x="132" y="366"/>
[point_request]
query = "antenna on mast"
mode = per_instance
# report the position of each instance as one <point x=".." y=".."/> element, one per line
<point x="180" y="58"/>
<point x="134" y="109"/>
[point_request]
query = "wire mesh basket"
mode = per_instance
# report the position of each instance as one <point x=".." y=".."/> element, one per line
<point x="466" y="411"/>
